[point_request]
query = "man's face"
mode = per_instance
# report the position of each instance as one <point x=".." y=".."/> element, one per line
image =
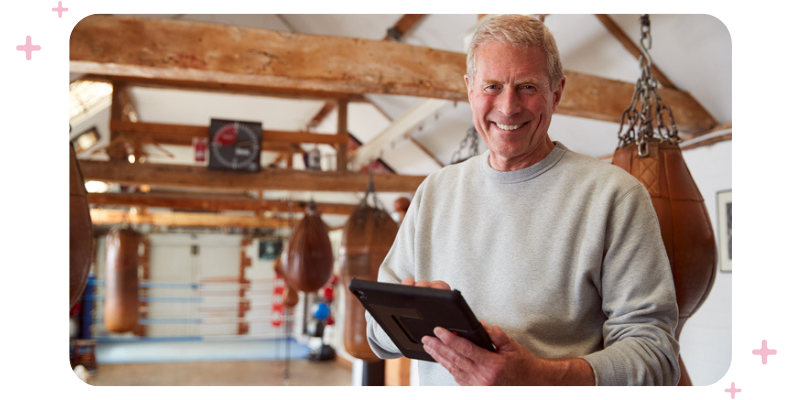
<point x="512" y="104"/>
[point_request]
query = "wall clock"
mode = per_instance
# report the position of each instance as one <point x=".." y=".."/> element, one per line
<point x="234" y="145"/>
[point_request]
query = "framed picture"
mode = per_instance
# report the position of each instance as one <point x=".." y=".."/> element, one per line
<point x="725" y="220"/>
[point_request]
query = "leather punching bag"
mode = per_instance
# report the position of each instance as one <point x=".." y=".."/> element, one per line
<point x="309" y="265"/>
<point x="685" y="223"/>
<point x="121" y="310"/>
<point x="366" y="238"/>
<point x="80" y="231"/>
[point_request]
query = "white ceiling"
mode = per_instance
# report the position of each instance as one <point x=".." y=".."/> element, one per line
<point x="693" y="51"/>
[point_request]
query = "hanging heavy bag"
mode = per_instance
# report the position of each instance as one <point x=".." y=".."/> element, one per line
<point x="121" y="309"/>
<point x="310" y="257"/>
<point x="649" y="150"/>
<point x="685" y="225"/>
<point x="80" y="231"/>
<point x="366" y="238"/>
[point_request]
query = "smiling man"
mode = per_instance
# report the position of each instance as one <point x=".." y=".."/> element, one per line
<point x="558" y="253"/>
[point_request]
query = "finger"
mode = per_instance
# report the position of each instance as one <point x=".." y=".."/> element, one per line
<point x="440" y="285"/>
<point x="461" y="351"/>
<point x="501" y="341"/>
<point x="444" y="356"/>
<point x="408" y="281"/>
<point x="422" y="283"/>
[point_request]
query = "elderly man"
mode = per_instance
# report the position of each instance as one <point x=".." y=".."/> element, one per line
<point x="558" y="253"/>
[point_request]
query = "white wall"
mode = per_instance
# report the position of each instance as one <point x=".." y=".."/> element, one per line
<point x="706" y="338"/>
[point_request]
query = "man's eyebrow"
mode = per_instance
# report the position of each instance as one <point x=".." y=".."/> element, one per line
<point x="532" y="82"/>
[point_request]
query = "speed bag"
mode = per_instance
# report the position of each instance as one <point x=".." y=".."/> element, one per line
<point x="685" y="225"/>
<point x="121" y="309"/>
<point x="80" y="232"/>
<point x="366" y="238"/>
<point x="309" y="263"/>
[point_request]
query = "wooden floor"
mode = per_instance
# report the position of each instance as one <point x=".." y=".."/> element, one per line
<point x="302" y="372"/>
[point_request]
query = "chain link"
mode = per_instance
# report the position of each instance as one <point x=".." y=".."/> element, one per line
<point x="646" y="117"/>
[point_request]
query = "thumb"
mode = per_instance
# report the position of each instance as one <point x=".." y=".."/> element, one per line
<point x="501" y="341"/>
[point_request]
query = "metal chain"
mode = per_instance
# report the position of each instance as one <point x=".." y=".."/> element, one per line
<point x="646" y="117"/>
<point x="470" y="143"/>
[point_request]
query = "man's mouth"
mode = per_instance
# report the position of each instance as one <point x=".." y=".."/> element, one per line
<point x="508" y="127"/>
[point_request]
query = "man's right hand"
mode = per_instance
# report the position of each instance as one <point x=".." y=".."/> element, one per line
<point x="424" y="283"/>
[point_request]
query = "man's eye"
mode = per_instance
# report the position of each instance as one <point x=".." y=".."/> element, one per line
<point x="492" y="88"/>
<point x="528" y="88"/>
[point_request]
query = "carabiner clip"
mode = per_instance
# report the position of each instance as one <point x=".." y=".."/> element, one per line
<point x="644" y="148"/>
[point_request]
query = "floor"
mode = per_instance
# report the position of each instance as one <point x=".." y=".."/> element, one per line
<point x="302" y="372"/>
<point x="212" y="362"/>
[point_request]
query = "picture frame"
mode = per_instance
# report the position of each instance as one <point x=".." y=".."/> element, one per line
<point x="725" y="220"/>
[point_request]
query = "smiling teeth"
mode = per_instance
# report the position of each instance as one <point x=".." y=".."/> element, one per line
<point x="508" y="127"/>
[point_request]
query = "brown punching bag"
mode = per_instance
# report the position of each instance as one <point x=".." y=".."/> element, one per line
<point x="121" y="311"/>
<point x="366" y="238"/>
<point x="685" y="224"/>
<point x="309" y="264"/>
<point x="80" y="231"/>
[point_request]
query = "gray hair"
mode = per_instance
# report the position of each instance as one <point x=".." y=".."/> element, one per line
<point x="517" y="30"/>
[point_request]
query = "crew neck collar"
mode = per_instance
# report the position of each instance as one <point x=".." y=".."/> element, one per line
<point x="526" y="173"/>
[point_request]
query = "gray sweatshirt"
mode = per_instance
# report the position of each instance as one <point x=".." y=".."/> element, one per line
<point x="565" y="256"/>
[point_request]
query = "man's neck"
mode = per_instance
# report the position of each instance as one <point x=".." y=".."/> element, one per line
<point x="499" y="163"/>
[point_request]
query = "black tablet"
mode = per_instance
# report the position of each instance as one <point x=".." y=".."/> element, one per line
<point x="407" y="313"/>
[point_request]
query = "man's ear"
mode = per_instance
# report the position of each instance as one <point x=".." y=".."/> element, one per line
<point x="559" y="92"/>
<point x="466" y="82"/>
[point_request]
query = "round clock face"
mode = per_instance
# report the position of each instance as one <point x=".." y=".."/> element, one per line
<point x="235" y="146"/>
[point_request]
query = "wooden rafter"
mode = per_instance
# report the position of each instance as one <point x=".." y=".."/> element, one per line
<point x="113" y="217"/>
<point x="162" y="175"/>
<point x="194" y="54"/>
<point x="182" y="135"/>
<point x="217" y="55"/>
<point x="211" y="202"/>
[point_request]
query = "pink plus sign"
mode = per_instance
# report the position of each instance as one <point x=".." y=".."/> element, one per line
<point x="733" y="390"/>
<point x="60" y="9"/>
<point x="28" y="48"/>
<point x="764" y="352"/>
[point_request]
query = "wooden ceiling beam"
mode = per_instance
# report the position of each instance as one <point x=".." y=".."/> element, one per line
<point x="195" y="54"/>
<point x="267" y="179"/>
<point x="203" y="54"/>
<point x="183" y="134"/>
<point x="114" y="217"/>
<point x="224" y="88"/>
<point x="407" y="122"/>
<point x="210" y="202"/>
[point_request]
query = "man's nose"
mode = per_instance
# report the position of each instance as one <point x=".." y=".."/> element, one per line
<point x="509" y="102"/>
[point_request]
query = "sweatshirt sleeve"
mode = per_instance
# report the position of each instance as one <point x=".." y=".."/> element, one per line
<point x="639" y="299"/>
